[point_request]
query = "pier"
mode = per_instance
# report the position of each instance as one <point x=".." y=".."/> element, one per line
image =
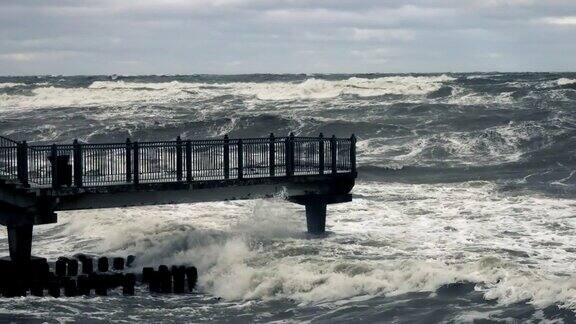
<point x="37" y="181"/>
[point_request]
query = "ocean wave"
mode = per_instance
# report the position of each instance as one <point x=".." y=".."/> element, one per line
<point x="491" y="146"/>
<point x="483" y="76"/>
<point x="55" y="97"/>
<point x="10" y="85"/>
<point x="565" y="81"/>
<point x="311" y="88"/>
<point x="399" y="239"/>
<point x="109" y="93"/>
<point x="466" y="97"/>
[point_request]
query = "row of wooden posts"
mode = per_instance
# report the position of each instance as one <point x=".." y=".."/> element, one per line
<point x="75" y="280"/>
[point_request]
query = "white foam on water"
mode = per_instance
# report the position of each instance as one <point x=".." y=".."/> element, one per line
<point x="483" y="76"/>
<point x="121" y="93"/>
<point x="490" y="146"/>
<point x="392" y="239"/>
<point x="10" y="85"/>
<point x="565" y="81"/>
<point x="47" y="97"/>
<point x="464" y="97"/>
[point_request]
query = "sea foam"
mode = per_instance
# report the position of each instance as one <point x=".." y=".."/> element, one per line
<point x="10" y="85"/>
<point x="565" y="81"/>
<point x="400" y="238"/>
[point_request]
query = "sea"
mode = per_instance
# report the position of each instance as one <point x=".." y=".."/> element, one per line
<point x="464" y="209"/>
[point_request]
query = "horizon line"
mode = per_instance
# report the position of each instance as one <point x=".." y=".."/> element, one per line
<point x="272" y="73"/>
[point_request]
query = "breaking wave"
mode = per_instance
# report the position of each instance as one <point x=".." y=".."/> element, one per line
<point x="10" y="85"/>
<point x="110" y="93"/>
<point x="565" y="81"/>
<point x="265" y="254"/>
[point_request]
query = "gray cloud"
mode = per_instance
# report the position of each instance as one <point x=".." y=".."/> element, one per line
<point x="251" y="36"/>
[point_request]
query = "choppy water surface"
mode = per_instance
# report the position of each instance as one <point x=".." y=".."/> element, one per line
<point x="465" y="208"/>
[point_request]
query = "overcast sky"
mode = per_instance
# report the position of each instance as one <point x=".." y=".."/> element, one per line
<point x="285" y="36"/>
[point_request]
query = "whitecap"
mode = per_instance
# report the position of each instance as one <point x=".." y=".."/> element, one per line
<point x="123" y="93"/>
<point x="10" y="85"/>
<point x="565" y="81"/>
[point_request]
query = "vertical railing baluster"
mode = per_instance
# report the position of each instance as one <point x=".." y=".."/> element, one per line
<point x="353" y="153"/>
<point x="188" y="161"/>
<point x="179" y="170"/>
<point x="77" y="149"/>
<point x="240" y="159"/>
<point x="321" y="154"/>
<point x="226" y="157"/>
<point x="272" y="157"/>
<point x="136" y="170"/>
<point x="333" y="155"/>
<point x="128" y="160"/>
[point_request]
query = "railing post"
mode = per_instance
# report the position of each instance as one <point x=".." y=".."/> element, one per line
<point x="54" y="153"/>
<point x="289" y="153"/>
<point x="333" y="153"/>
<point x="136" y="163"/>
<point x="321" y="154"/>
<point x="128" y="160"/>
<point x="226" y="157"/>
<point x="272" y="156"/>
<point x="353" y="153"/>
<point x="240" y="159"/>
<point x="179" y="169"/>
<point x="188" y="161"/>
<point x="77" y="148"/>
<point x="22" y="163"/>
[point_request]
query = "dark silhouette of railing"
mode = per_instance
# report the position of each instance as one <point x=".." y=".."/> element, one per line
<point x="8" y="157"/>
<point x="83" y="165"/>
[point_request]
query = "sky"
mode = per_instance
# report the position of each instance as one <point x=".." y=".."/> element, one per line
<point x="73" y="37"/>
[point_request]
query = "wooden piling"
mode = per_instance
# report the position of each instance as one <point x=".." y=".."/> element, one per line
<point x="192" y="277"/>
<point x="87" y="265"/>
<point x="103" y="264"/>
<point x="165" y="279"/>
<point x="178" y="279"/>
<point x="118" y="263"/>
<point x="83" y="284"/>
<point x="60" y="268"/>
<point x="72" y="268"/>
<point x="128" y="284"/>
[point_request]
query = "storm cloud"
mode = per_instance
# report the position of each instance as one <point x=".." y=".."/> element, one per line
<point x="285" y="36"/>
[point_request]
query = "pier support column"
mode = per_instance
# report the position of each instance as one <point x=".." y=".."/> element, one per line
<point x="20" y="221"/>
<point x="316" y="217"/>
<point x="316" y="209"/>
<point x="20" y="242"/>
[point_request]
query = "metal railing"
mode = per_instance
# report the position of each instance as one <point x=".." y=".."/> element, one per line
<point x="8" y="157"/>
<point x="81" y="165"/>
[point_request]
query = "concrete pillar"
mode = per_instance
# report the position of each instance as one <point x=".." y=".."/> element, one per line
<point x="20" y="242"/>
<point x="316" y="217"/>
